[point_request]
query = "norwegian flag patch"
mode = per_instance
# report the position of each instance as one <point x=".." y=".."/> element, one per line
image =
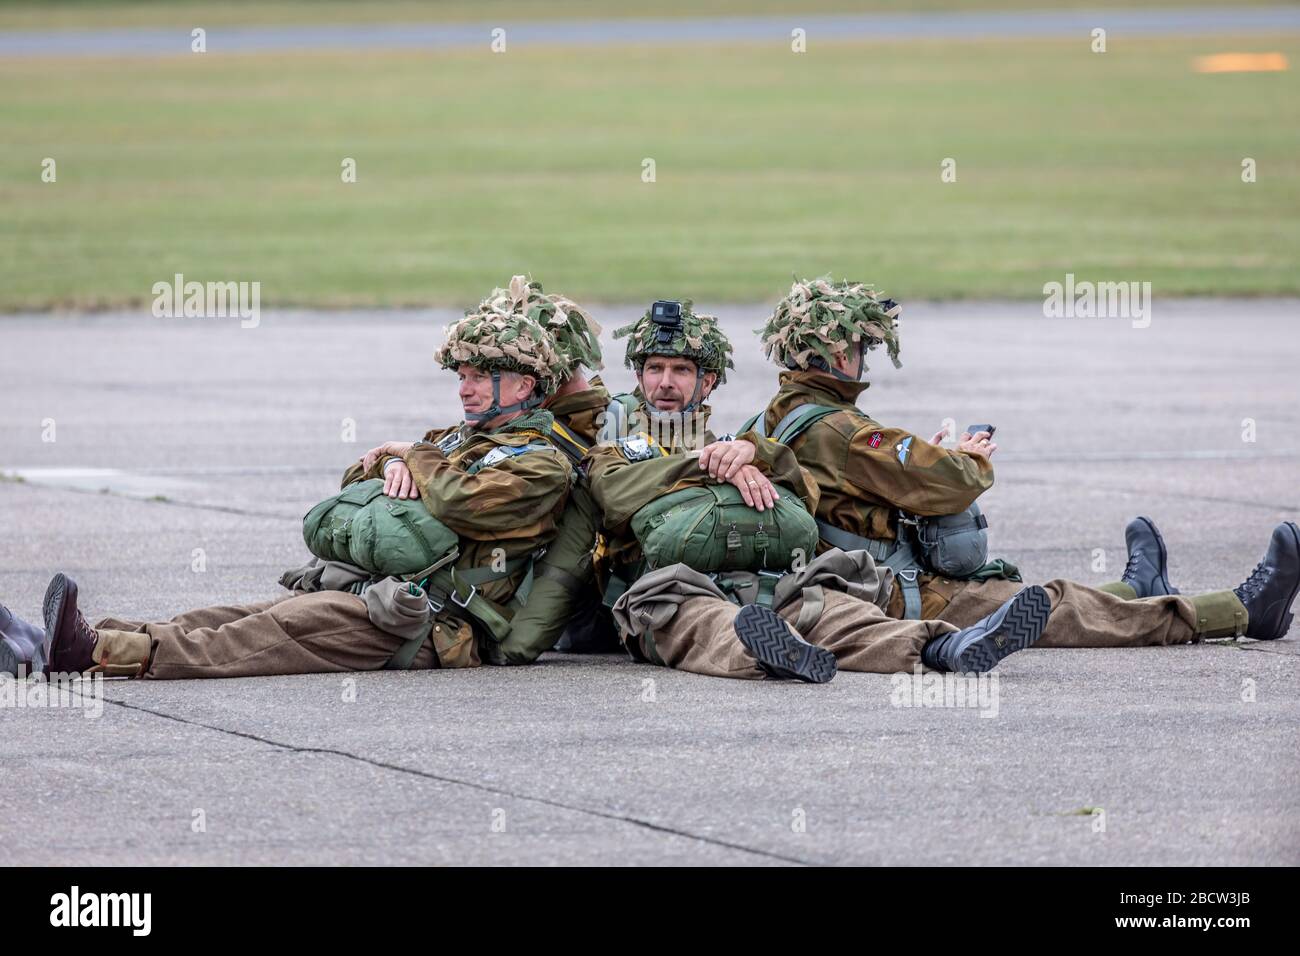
<point x="874" y="439"/>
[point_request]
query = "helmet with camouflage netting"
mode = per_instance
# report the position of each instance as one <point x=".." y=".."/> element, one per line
<point x="821" y="320"/>
<point x="498" y="340"/>
<point x="574" y="332"/>
<point x="676" y="329"/>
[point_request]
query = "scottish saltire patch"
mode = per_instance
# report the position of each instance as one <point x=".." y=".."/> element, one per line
<point x="874" y="439"/>
<point x="903" y="447"/>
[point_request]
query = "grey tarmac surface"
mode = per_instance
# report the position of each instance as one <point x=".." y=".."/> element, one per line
<point x="600" y="760"/>
<point x="984" y="24"/>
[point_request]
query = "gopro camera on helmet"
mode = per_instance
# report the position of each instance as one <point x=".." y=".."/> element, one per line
<point x="668" y="317"/>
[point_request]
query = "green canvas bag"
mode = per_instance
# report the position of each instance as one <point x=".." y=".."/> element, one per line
<point x="387" y="536"/>
<point x="710" y="529"/>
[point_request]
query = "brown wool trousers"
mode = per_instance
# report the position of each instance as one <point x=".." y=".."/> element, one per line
<point x="322" y="632"/>
<point x="700" y="637"/>
<point x="1081" y="616"/>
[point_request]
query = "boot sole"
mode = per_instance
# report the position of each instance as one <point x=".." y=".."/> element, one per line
<point x="54" y="610"/>
<point x="1013" y="627"/>
<point x="769" y="639"/>
<point x="1164" y="558"/>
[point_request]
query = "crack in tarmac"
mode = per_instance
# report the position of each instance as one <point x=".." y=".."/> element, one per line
<point x="194" y="505"/>
<point x="384" y="765"/>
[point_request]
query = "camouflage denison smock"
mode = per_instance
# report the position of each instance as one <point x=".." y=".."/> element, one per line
<point x="565" y="574"/>
<point x="512" y="504"/>
<point x="866" y="471"/>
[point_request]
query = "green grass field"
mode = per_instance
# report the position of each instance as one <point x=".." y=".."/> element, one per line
<point x="471" y="166"/>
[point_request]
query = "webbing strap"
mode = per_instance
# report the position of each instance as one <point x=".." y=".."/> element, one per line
<point x="477" y="576"/>
<point x="814" y="603"/>
<point x="520" y="597"/>
<point x="616" y="415"/>
<point x="911" y="593"/>
<point x="907" y="571"/>
<point x="650" y="650"/>
<point x="766" y="589"/>
<point x="405" y="655"/>
<point x="443" y="584"/>
<point x="461" y="589"/>
<point x="401" y="661"/>
<point x="897" y="555"/>
<point x="570" y="582"/>
<point x="569" y="443"/>
<point x="878" y="548"/>
<point x="798" y="420"/>
<point x="728" y="588"/>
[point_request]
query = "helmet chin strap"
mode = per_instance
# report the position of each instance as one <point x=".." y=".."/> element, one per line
<point x="496" y="409"/>
<point x="689" y="406"/>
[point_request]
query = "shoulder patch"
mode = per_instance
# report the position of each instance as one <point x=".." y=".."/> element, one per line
<point x="903" y="448"/>
<point x="874" y="439"/>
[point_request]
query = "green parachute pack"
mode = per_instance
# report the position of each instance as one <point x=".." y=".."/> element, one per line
<point x="362" y="526"/>
<point x="711" y="528"/>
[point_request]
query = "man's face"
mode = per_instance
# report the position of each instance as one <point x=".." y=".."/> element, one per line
<point x="476" y="389"/>
<point x="668" y="382"/>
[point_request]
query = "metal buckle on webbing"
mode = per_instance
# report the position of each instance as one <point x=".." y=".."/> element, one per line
<point x="908" y="574"/>
<point x="772" y="574"/>
<point x="464" y="605"/>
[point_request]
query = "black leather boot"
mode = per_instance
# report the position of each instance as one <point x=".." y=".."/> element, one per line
<point x="1147" y="571"/>
<point x="69" y="640"/>
<point x="1270" y="590"/>
<point x="21" y="645"/>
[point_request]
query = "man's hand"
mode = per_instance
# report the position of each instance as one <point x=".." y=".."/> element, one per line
<point x="759" y="493"/>
<point x="980" y="444"/>
<point x="398" y="448"/>
<point x="939" y="436"/>
<point x="723" y="459"/>
<point x="398" y="481"/>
